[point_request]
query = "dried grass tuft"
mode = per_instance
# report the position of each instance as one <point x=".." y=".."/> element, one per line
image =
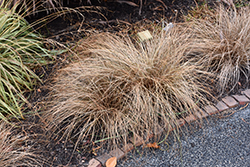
<point x="124" y="87"/>
<point x="12" y="150"/>
<point x="223" y="46"/>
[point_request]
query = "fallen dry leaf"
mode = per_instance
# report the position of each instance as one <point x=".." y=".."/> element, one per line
<point x="94" y="149"/>
<point x="97" y="148"/>
<point x="111" y="162"/>
<point x="153" y="145"/>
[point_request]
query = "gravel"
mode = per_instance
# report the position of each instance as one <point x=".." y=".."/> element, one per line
<point x="220" y="142"/>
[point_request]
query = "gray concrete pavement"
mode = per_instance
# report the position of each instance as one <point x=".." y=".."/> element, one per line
<point x="221" y="142"/>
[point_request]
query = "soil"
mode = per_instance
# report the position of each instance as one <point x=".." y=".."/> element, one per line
<point x="115" y="17"/>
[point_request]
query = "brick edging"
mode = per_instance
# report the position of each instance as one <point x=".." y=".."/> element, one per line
<point x="226" y="103"/>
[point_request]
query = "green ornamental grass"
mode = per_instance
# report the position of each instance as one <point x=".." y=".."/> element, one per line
<point x="21" y="49"/>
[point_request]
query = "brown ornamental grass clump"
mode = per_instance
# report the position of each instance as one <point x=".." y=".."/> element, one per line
<point x="120" y="86"/>
<point x="223" y="46"/>
<point x="13" y="151"/>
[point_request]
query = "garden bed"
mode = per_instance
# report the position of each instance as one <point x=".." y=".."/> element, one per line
<point x="116" y="18"/>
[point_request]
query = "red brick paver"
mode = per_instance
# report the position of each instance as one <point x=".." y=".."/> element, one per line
<point x="221" y="106"/>
<point x="230" y="101"/>
<point x="118" y="153"/>
<point x="211" y="109"/>
<point x="181" y="122"/>
<point x="158" y="132"/>
<point x="201" y="114"/>
<point x="94" y="163"/>
<point x="103" y="158"/>
<point x="190" y="118"/>
<point x="148" y="136"/>
<point x="247" y="93"/>
<point x="128" y="147"/>
<point x="137" y="140"/>
<point x="242" y="99"/>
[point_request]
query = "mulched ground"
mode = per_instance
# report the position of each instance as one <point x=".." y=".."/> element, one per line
<point x="115" y="17"/>
<point x="123" y="17"/>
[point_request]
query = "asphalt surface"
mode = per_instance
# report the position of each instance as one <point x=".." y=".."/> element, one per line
<point x="221" y="142"/>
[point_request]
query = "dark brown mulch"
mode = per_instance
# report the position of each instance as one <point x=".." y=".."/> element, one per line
<point x="115" y="17"/>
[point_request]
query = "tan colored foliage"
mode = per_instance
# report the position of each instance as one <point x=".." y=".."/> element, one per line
<point x="123" y="87"/>
<point x="222" y="46"/>
<point x="12" y="150"/>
